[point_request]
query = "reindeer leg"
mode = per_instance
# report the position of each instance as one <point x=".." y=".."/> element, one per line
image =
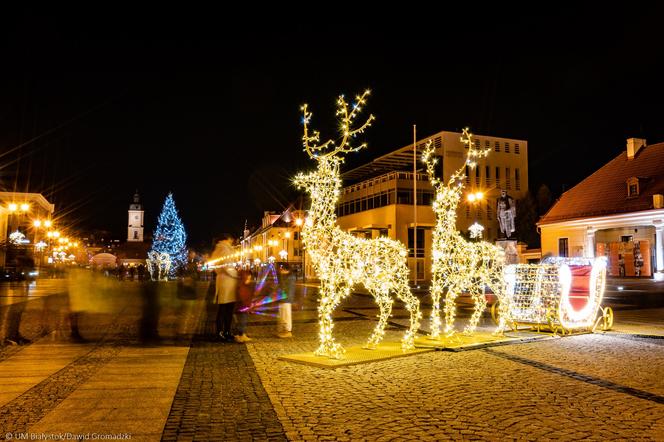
<point x="450" y="309"/>
<point x="328" y="346"/>
<point x="436" y="293"/>
<point x="413" y="306"/>
<point x="498" y="288"/>
<point x="480" y="305"/>
<point x="385" y="304"/>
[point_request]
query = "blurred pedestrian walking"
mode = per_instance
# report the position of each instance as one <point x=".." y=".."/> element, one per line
<point x="286" y="293"/>
<point x="225" y="290"/>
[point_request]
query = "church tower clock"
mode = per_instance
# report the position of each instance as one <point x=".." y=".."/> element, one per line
<point x="135" y="230"/>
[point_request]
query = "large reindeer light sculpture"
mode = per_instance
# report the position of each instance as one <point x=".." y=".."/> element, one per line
<point x="459" y="264"/>
<point x="340" y="259"/>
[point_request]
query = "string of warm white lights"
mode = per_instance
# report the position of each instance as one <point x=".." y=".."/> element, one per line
<point x="340" y="259"/>
<point x="542" y="293"/>
<point x="159" y="265"/>
<point x="458" y="264"/>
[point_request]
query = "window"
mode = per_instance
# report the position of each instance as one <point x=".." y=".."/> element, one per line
<point x="516" y="149"/>
<point x="497" y="176"/>
<point x="419" y="268"/>
<point x="626" y="238"/>
<point x="296" y="236"/>
<point x="420" y="242"/>
<point x="489" y="211"/>
<point x="496" y="147"/>
<point x="563" y="247"/>
<point x="467" y="210"/>
<point x="467" y="175"/>
<point x="508" y="183"/>
<point x="404" y="197"/>
<point x="507" y="147"/>
<point x="135" y="234"/>
<point x="517" y="179"/>
<point x="632" y="187"/>
<point x="477" y="176"/>
<point x="383" y="232"/>
<point x="487" y="174"/>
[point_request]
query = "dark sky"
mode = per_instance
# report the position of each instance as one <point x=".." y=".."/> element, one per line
<point x="205" y="103"/>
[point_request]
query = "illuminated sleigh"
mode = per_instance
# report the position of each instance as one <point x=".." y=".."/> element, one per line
<point x="560" y="294"/>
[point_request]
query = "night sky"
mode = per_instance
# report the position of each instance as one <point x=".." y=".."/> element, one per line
<point x="96" y="103"/>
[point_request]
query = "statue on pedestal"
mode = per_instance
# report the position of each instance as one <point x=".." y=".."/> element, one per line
<point x="506" y="210"/>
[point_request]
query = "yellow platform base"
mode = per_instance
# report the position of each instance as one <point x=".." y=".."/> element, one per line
<point x="460" y="342"/>
<point x="355" y="355"/>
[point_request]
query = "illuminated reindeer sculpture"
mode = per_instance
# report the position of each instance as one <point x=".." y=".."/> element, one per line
<point x="459" y="264"/>
<point x="340" y="259"/>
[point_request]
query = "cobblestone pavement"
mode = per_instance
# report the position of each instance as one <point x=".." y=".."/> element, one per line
<point x="581" y="387"/>
<point x="220" y="397"/>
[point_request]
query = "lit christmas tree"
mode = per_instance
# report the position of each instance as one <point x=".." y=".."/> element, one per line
<point x="170" y="236"/>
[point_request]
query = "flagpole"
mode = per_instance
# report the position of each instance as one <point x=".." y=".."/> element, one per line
<point x="415" y="202"/>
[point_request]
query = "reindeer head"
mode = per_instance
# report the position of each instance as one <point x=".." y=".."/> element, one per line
<point x="329" y="155"/>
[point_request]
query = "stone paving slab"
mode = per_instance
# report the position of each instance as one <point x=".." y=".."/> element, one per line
<point x="32" y="365"/>
<point x="130" y="394"/>
<point x="355" y="355"/>
<point x="461" y="342"/>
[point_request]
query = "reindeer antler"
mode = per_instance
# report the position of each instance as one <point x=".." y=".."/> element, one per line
<point x="346" y="128"/>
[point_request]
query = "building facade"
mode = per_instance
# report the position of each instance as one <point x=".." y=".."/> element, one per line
<point x="617" y="212"/>
<point x="379" y="201"/>
<point x="277" y="240"/>
<point x="29" y="217"/>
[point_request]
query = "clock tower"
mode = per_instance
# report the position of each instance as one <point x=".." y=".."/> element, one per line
<point x="135" y="229"/>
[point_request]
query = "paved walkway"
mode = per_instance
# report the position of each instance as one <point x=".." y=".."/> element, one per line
<point x="180" y="385"/>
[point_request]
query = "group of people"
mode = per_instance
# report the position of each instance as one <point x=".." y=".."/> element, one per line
<point x="235" y="290"/>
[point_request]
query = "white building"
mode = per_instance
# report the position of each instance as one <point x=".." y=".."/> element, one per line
<point x="135" y="214"/>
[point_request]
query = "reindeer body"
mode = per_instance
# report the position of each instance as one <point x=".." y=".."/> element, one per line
<point x="458" y="264"/>
<point x="341" y="260"/>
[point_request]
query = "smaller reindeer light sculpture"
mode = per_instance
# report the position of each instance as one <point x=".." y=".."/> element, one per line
<point x="459" y="264"/>
<point x="340" y="259"/>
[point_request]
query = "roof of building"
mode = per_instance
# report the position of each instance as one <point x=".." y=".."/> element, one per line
<point x="398" y="160"/>
<point x="605" y="191"/>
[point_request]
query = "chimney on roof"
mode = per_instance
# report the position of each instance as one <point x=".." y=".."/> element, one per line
<point x="633" y="146"/>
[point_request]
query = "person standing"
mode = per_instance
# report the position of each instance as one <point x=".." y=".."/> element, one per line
<point x="287" y="292"/>
<point x="225" y="291"/>
<point x="245" y="297"/>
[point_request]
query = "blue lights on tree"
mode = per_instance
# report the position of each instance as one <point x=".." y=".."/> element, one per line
<point x="170" y="237"/>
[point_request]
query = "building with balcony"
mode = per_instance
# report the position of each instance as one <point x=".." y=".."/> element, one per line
<point x="277" y="240"/>
<point x="617" y="212"/>
<point x="378" y="198"/>
<point x="24" y="221"/>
